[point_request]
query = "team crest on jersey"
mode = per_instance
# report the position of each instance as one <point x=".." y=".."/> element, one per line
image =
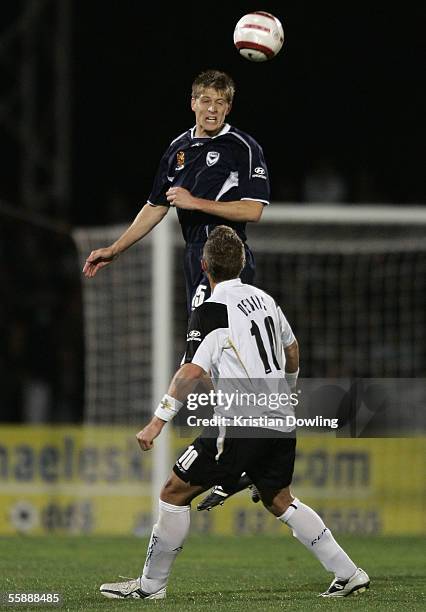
<point x="212" y="157"/>
<point x="180" y="160"/>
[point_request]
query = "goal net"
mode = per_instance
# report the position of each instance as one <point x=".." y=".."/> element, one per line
<point x="351" y="281"/>
<point x="117" y="331"/>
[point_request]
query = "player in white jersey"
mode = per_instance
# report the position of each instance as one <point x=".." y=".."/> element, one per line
<point x="238" y="334"/>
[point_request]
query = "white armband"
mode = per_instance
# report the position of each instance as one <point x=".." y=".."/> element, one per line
<point x="291" y="378"/>
<point x="168" y="408"/>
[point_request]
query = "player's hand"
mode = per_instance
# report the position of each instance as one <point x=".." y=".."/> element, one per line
<point x="148" y="434"/>
<point x="98" y="259"/>
<point x="181" y="198"/>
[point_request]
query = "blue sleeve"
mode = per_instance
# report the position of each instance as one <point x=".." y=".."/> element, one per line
<point x="253" y="177"/>
<point x="161" y="183"/>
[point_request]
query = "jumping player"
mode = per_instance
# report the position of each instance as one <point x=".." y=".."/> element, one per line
<point x="213" y="174"/>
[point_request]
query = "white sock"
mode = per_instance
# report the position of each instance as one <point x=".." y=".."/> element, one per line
<point x="167" y="538"/>
<point x="310" y="529"/>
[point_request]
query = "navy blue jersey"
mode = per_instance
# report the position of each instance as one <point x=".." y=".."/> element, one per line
<point x="226" y="167"/>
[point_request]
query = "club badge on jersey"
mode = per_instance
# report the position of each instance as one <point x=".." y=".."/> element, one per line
<point x="212" y="157"/>
<point x="180" y="160"/>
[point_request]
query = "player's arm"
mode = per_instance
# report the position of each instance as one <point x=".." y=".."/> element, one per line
<point x="145" y="221"/>
<point x="291" y="350"/>
<point x="182" y="384"/>
<point x="203" y="350"/>
<point x="238" y="210"/>
<point x="148" y="217"/>
<point x="291" y="353"/>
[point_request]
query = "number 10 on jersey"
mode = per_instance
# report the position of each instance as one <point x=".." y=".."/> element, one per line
<point x="270" y="330"/>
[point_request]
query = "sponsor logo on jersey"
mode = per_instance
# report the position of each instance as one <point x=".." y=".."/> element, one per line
<point x="194" y="335"/>
<point x="259" y="172"/>
<point x="212" y="157"/>
<point x="180" y="160"/>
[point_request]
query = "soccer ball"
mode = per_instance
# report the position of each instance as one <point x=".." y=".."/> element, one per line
<point x="258" y="36"/>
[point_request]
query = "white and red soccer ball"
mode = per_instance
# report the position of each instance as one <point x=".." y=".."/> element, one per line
<point x="259" y="36"/>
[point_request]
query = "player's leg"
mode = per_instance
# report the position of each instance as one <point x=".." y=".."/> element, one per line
<point x="169" y="533"/>
<point x="197" y="283"/>
<point x="273" y="480"/>
<point x="167" y="538"/>
<point x="310" y="530"/>
<point x="248" y="272"/>
<point x="193" y="473"/>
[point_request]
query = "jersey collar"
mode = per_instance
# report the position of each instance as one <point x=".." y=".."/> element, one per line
<point x="224" y="130"/>
<point x="233" y="282"/>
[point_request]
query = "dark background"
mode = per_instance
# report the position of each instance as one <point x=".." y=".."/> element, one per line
<point x="346" y="93"/>
<point x="346" y="89"/>
<point x="346" y="86"/>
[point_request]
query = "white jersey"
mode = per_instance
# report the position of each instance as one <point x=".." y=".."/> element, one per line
<point x="238" y="335"/>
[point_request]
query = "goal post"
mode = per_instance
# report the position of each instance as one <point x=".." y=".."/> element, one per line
<point x="364" y="214"/>
<point x="162" y="342"/>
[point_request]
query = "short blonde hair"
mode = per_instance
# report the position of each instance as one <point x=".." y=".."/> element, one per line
<point x="217" y="80"/>
<point x="224" y="254"/>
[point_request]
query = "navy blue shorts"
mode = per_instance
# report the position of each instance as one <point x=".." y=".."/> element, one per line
<point x="197" y="283"/>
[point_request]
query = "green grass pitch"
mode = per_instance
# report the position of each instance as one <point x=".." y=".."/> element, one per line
<point x="255" y="573"/>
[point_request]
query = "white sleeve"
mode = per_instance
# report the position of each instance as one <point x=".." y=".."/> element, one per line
<point x="287" y="336"/>
<point x="207" y="352"/>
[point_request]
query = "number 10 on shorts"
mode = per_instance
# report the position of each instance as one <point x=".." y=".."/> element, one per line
<point x="187" y="459"/>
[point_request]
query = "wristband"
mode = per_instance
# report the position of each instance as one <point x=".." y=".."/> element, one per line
<point x="168" y="408"/>
<point x="291" y="378"/>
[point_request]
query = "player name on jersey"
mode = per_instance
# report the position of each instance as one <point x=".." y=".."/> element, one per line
<point x="251" y="303"/>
